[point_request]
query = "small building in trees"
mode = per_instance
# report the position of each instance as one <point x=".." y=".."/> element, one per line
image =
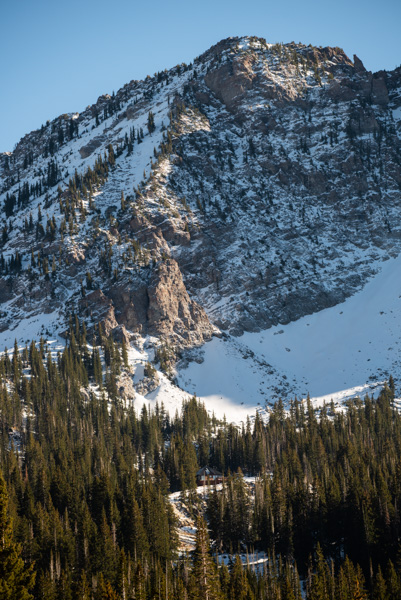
<point x="208" y="475"/>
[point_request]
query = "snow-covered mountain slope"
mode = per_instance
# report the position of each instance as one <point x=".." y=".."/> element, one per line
<point x="335" y="354"/>
<point x="260" y="184"/>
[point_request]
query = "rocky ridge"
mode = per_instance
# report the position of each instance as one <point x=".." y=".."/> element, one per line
<point x="256" y="185"/>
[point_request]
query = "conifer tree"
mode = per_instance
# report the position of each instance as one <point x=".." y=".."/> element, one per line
<point x="135" y="536"/>
<point x="380" y="590"/>
<point x="238" y="582"/>
<point x="16" y="579"/>
<point x="206" y="583"/>
<point x="82" y="589"/>
<point x="151" y="122"/>
<point x="124" y="354"/>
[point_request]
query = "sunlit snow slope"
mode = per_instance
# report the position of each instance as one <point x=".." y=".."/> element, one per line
<point x="337" y="353"/>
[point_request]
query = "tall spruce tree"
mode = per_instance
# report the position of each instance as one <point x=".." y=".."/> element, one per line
<point x="206" y="583"/>
<point x="16" y="579"/>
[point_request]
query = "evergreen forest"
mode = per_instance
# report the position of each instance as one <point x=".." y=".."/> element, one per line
<point x="84" y="490"/>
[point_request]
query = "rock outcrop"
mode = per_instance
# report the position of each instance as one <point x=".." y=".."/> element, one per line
<point x="162" y="308"/>
<point x="231" y="81"/>
<point x="171" y="313"/>
<point x="97" y="308"/>
<point x="93" y="145"/>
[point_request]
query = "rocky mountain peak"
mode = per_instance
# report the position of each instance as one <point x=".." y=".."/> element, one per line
<point x="256" y="185"/>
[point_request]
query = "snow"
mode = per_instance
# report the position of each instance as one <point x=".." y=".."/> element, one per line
<point x="187" y="526"/>
<point x="338" y="353"/>
<point x="31" y="329"/>
<point x="228" y="384"/>
<point x="256" y="559"/>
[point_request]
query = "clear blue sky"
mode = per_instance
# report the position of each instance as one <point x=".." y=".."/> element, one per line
<point x="58" y="57"/>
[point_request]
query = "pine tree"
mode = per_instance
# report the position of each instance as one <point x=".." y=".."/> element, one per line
<point x="380" y="591"/>
<point x="206" y="583"/>
<point x="134" y="532"/>
<point x="393" y="581"/>
<point x="15" y="578"/>
<point x="151" y="122"/>
<point x="124" y="354"/>
<point x="238" y="581"/>
<point x="105" y="591"/>
<point x="111" y="157"/>
<point x="82" y="589"/>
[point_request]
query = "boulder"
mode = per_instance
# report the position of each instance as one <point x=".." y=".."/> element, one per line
<point x="93" y="145"/>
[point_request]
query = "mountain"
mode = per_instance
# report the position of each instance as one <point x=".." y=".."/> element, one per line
<point x="220" y="199"/>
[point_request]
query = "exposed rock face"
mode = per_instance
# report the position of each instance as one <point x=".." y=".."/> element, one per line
<point x="358" y="65"/>
<point x="99" y="309"/>
<point x="120" y="335"/>
<point x="231" y="82"/>
<point x="379" y="90"/>
<point x="131" y="306"/>
<point x="126" y="387"/>
<point x="163" y="308"/>
<point x="93" y="145"/>
<point x="5" y="291"/>
<point x="147" y="385"/>
<point x="295" y="116"/>
<point x="171" y="313"/>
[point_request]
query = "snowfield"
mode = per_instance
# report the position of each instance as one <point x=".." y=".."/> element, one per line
<point x="338" y="353"/>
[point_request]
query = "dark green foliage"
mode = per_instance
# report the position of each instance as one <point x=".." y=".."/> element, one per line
<point x="88" y="479"/>
<point x="16" y="579"/>
<point x="149" y="370"/>
<point x="81" y="499"/>
<point x="151" y="122"/>
<point x="205" y="584"/>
